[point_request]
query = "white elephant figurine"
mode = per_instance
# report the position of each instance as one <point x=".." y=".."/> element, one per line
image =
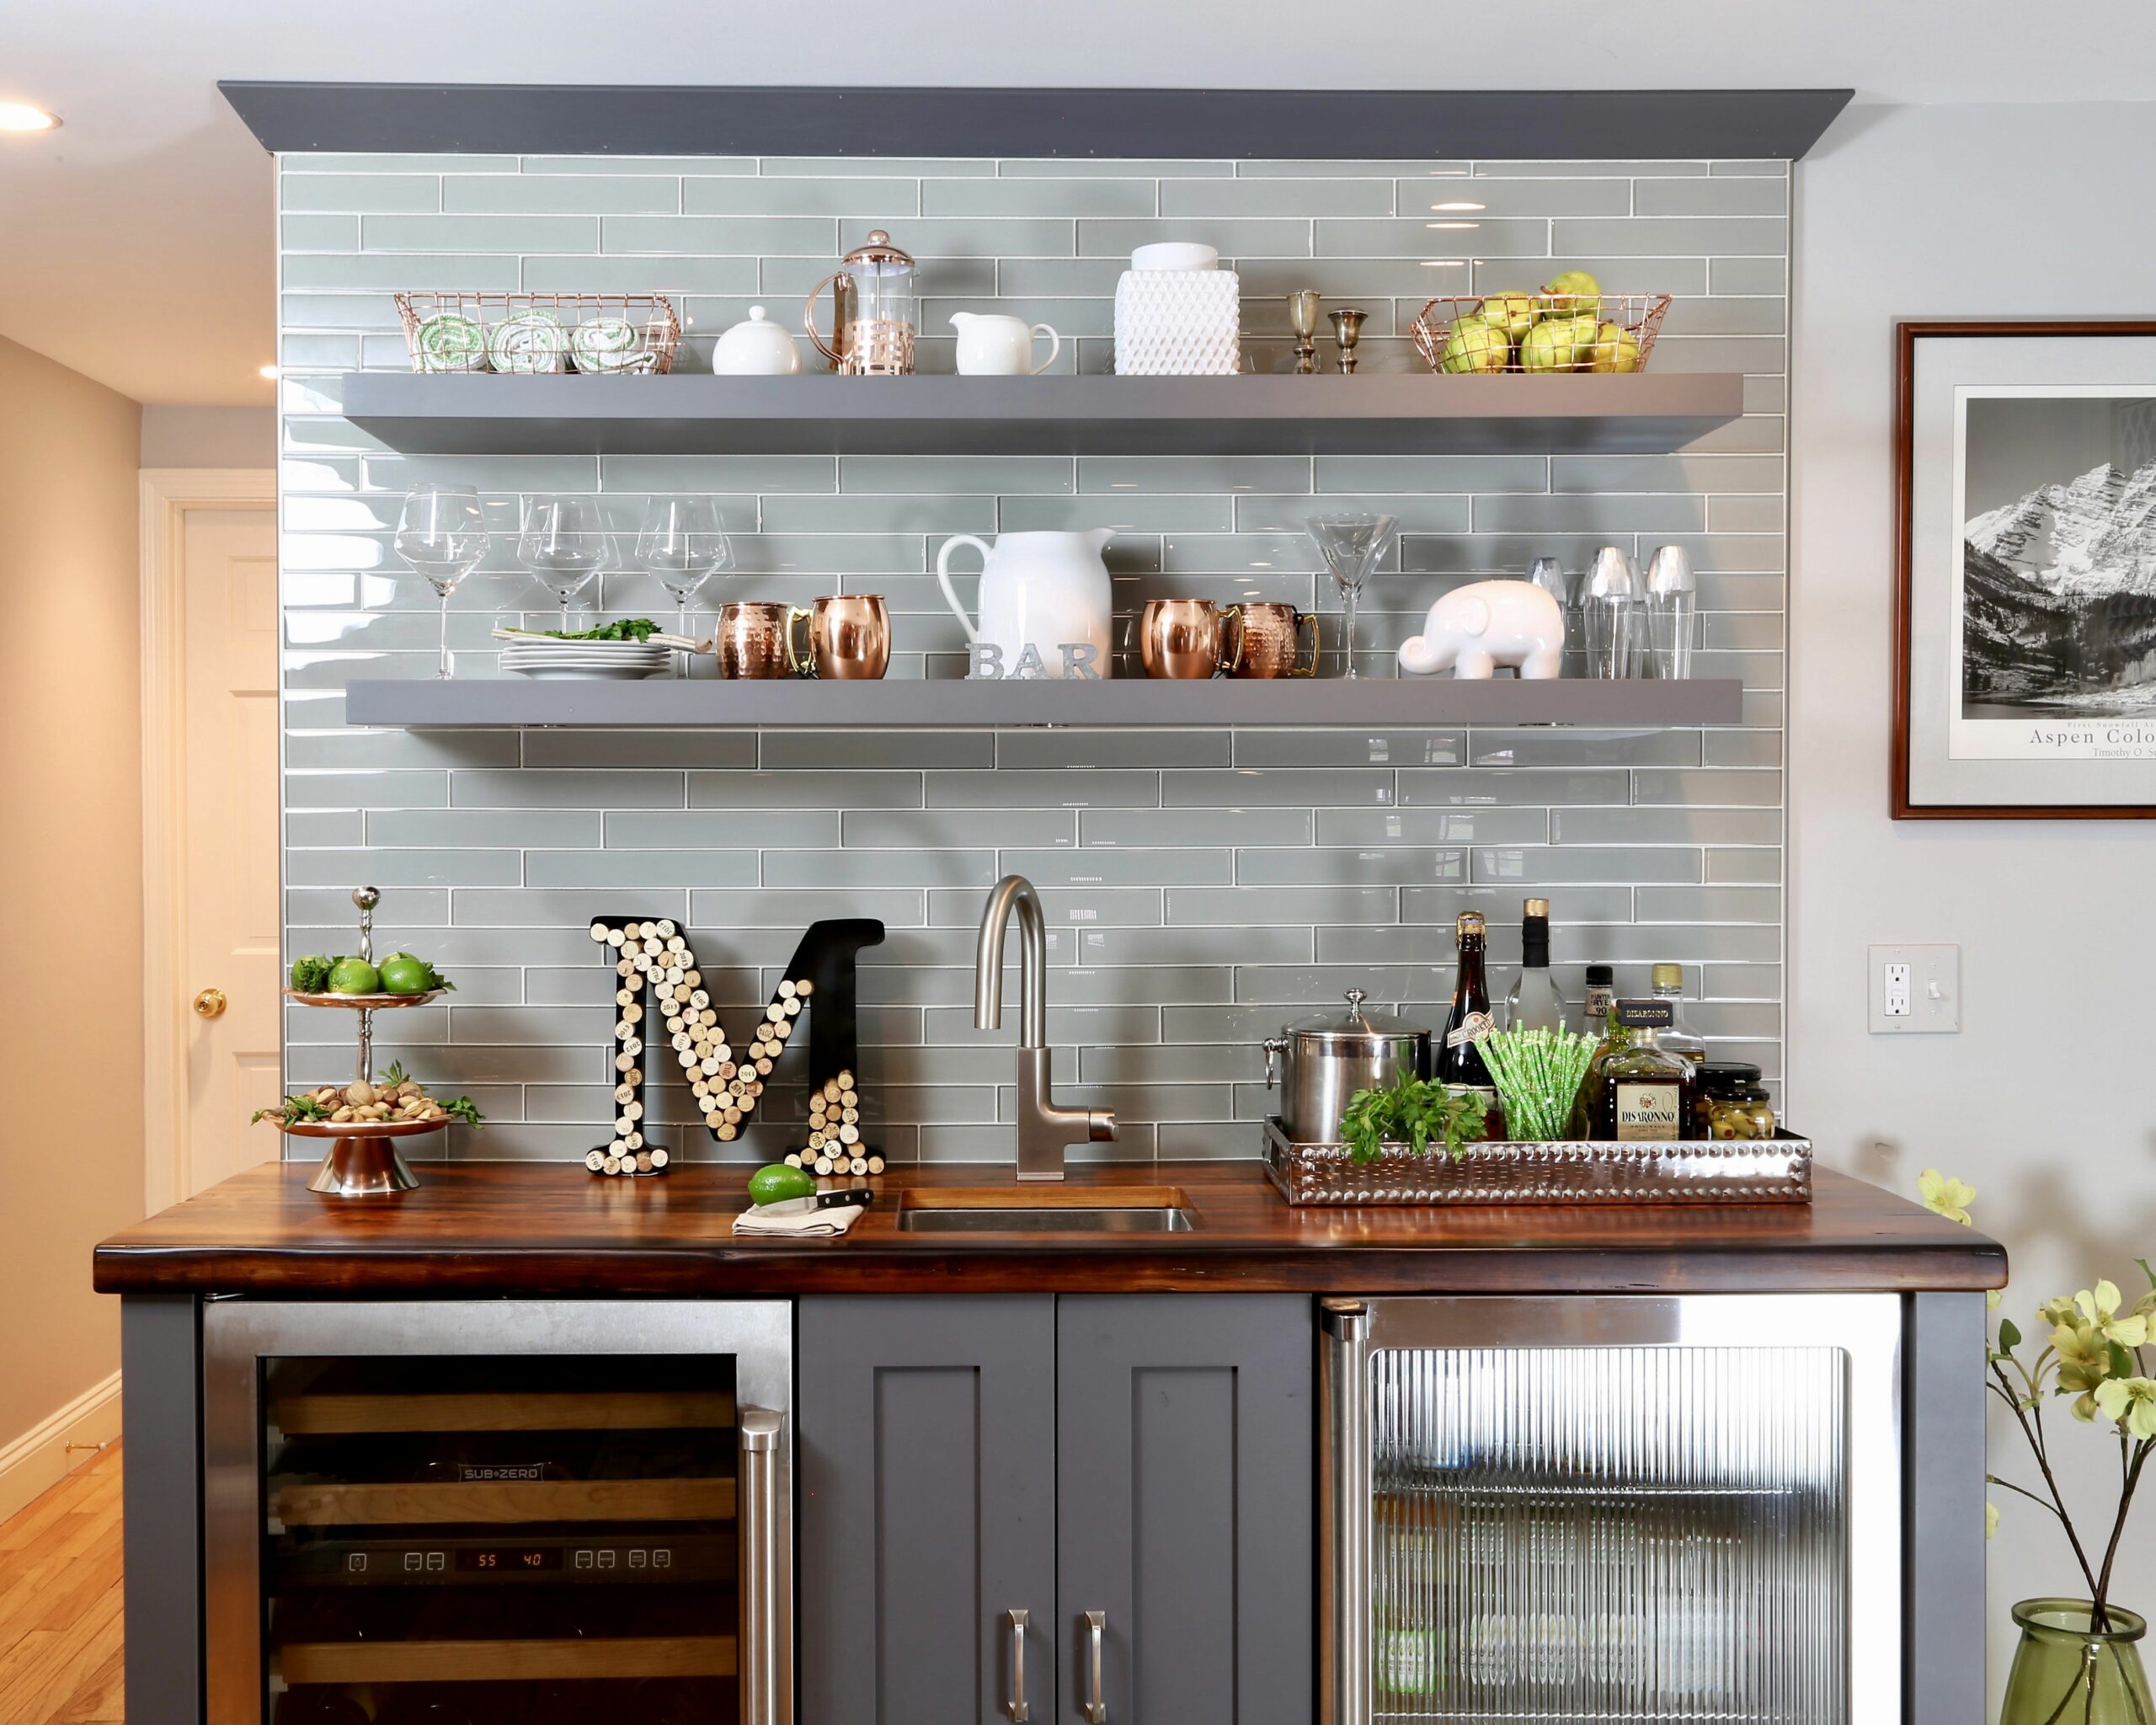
<point x="1472" y="630"/>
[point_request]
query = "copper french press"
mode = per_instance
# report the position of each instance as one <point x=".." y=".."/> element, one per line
<point x="872" y="310"/>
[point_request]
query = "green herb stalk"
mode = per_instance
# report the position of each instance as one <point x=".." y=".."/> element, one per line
<point x="1414" y="1112"/>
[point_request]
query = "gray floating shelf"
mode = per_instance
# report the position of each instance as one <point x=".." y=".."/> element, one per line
<point x="672" y="703"/>
<point x="1375" y="414"/>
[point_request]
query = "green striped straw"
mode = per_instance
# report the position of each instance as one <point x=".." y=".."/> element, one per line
<point x="1537" y="1074"/>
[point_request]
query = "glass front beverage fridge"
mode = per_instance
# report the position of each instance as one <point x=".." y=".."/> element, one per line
<point x="498" y="1514"/>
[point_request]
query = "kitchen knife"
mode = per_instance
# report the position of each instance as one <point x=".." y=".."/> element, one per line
<point x="822" y="1200"/>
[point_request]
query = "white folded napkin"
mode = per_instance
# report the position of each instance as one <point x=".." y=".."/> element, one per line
<point x="802" y="1225"/>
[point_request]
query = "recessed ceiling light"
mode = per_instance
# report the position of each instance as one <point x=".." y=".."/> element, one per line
<point x="20" y="116"/>
<point x="269" y="372"/>
<point x="1458" y="204"/>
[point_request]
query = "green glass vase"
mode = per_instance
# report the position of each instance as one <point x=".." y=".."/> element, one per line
<point x="2066" y="1672"/>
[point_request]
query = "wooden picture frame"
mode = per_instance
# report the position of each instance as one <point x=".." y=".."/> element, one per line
<point x="1916" y="721"/>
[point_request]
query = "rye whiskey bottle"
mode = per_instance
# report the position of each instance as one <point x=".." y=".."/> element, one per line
<point x="1458" y="1062"/>
<point x="1646" y="1092"/>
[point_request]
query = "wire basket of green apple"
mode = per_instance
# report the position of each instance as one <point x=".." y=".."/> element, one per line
<point x="1568" y="324"/>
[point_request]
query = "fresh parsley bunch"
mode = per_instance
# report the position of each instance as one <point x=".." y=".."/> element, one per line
<point x="1415" y="1112"/>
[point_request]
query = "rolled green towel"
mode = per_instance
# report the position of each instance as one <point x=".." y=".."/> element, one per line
<point x="532" y="341"/>
<point x="449" y="341"/>
<point x="609" y="345"/>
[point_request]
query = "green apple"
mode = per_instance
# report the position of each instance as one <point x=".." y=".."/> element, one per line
<point x="1510" y="310"/>
<point x="1616" y="348"/>
<point x="1473" y="345"/>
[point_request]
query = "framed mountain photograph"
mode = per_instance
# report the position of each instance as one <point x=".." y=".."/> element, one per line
<point x="2025" y="613"/>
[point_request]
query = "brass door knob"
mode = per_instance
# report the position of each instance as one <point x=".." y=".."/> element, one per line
<point x="210" y="1003"/>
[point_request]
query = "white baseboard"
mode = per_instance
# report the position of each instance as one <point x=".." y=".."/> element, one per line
<point x="40" y="1458"/>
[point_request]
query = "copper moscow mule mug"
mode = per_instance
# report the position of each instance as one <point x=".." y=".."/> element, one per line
<point x="1188" y="638"/>
<point x="752" y="639"/>
<point x="1271" y="642"/>
<point x="848" y="637"/>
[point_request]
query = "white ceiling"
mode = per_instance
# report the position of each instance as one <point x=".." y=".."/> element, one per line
<point x="134" y="242"/>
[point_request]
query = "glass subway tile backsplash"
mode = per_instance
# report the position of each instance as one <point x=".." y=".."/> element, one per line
<point x="1203" y="886"/>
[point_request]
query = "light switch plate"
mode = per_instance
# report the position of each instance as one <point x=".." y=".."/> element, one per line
<point x="1914" y="990"/>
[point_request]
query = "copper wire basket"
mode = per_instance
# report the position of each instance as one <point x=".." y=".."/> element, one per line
<point x="647" y="347"/>
<point x="1637" y="315"/>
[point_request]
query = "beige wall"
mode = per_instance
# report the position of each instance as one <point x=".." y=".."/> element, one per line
<point x="2043" y="1101"/>
<point x="71" y="876"/>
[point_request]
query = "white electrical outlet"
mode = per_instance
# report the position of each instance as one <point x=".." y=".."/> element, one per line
<point x="1915" y="990"/>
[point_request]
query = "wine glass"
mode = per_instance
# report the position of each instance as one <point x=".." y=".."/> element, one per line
<point x="441" y="533"/>
<point x="563" y="544"/>
<point x="1350" y="546"/>
<point x="682" y="544"/>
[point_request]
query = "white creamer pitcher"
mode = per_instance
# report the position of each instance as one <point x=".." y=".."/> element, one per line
<point x="1044" y="599"/>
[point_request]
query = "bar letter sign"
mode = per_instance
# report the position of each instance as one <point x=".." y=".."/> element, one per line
<point x="660" y="1003"/>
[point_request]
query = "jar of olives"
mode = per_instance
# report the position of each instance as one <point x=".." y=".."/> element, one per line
<point x="1720" y="1082"/>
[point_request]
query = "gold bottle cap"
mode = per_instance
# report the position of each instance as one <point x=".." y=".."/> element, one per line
<point x="1537" y="907"/>
<point x="1470" y="922"/>
<point x="1668" y="975"/>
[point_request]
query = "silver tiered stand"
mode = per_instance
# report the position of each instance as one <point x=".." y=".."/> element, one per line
<point x="362" y="1161"/>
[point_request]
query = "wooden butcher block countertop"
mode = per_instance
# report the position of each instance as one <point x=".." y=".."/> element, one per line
<point x="529" y="1229"/>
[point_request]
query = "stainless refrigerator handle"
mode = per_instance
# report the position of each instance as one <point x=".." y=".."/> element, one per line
<point x="1345" y="1570"/>
<point x="1097" y="1631"/>
<point x="766" y="1520"/>
<point x="1016" y="1705"/>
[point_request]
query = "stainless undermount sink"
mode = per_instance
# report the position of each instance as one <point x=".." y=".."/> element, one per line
<point x="1005" y="1210"/>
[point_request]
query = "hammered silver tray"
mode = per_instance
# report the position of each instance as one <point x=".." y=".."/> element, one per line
<point x="1775" y="1169"/>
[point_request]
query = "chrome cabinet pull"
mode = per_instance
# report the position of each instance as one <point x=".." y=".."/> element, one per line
<point x="766" y="1583"/>
<point x="1096" y="1632"/>
<point x="1016" y="1705"/>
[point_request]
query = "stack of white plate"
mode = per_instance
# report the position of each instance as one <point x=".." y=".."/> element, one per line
<point x="620" y="661"/>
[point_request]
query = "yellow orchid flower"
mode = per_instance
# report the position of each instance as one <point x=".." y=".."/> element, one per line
<point x="2085" y="1361"/>
<point x="1945" y="1196"/>
<point x="2132" y="1403"/>
<point x="2099" y="1309"/>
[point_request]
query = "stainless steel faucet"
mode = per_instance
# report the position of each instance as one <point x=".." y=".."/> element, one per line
<point x="1044" y="1130"/>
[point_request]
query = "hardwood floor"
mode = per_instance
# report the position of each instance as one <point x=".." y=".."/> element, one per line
<point x="60" y="1625"/>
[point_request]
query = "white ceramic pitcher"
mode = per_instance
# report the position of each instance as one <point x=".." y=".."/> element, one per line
<point x="992" y="345"/>
<point x="1046" y="591"/>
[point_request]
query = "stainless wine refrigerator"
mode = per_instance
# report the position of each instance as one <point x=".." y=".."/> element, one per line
<point x="498" y="1513"/>
<point x="1588" y="1509"/>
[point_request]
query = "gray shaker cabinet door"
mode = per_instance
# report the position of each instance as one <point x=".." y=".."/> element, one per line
<point x="1184" y="1459"/>
<point x="926" y="1470"/>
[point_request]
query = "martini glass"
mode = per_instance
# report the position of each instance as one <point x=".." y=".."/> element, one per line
<point x="441" y="533"/>
<point x="1350" y="546"/>
<point x="682" y="544"/>
<point x="562" y="544"/>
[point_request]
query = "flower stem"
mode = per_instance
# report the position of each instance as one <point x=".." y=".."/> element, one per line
<point x="2034" y="1433"/>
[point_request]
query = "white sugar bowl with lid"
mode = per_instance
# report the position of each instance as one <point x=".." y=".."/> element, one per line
<point x="756" y="347"/>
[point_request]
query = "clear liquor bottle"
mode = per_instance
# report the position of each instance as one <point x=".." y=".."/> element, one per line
<point x="1534" y="1003"/>
<point x="1677" y="1038"/>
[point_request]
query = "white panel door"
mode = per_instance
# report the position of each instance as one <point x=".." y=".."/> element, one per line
<point x="229" y="841"/>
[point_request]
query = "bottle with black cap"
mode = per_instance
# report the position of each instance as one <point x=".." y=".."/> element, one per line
<point x="1600" y="1002"/>
<point x="1534" y="1003"/>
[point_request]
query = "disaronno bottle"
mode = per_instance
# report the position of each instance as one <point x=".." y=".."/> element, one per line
<point x="1647" y="1092"/>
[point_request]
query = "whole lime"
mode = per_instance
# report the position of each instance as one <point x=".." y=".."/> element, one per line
<point x="355" y="976"/>
<point x="402" y="974"/>
<point x="775" y="1182"/>
<point x="1472" y="344"/>
<point x="1511" y="310"/>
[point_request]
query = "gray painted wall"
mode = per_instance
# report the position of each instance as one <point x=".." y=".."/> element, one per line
<point x="1204" y="885"/>
<point x="1899" y="214"/>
